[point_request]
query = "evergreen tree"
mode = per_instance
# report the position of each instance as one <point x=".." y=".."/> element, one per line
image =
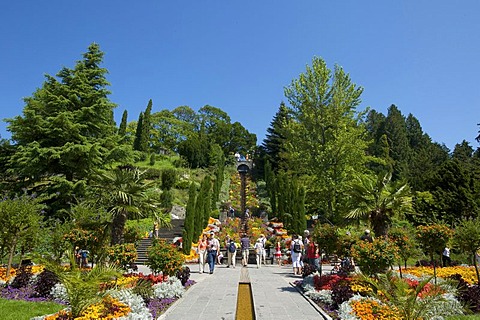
<point x="66" y="132"/>
<point x="122" y="130"/>
<point x="396" y="130"/>
<point x="199" y="205"/>
<point x="207" y="205"/>
<point x="145" y="131"/>
<point x="271" y="184"/>
<point x="189" y="227"/>
<point x="274" y="142"/>
<point x="137" y="142"/>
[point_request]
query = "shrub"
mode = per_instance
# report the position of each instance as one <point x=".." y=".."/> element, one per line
<point x="164" y="257"/>
<point x="469" y="295"/>
<point x="307" y="270"/>
<point x="374" y="257"/>
<point x="123" y="255"/>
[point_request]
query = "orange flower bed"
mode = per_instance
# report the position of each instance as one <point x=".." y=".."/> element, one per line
<point x="369" y="309"/>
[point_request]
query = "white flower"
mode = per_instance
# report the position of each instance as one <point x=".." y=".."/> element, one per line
<point x="59" y="292"/>
<point x="138" y="309"/>
<point x="168" y="289"/>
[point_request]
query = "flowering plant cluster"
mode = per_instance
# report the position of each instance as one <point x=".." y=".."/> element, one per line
<point x="234" y="193"/>
<point x="388" y="297"/>
<point x="374" y="257"/>
<point x="467" y="273"/>
<point x="164" y="257"/>
<point x="433" y="237"/>
<point x="123" y="255"/>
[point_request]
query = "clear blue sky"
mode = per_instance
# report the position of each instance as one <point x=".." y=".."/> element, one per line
<point x="423" y="56"/>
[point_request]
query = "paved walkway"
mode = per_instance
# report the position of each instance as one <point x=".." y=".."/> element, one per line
<point x="214" y="296"/>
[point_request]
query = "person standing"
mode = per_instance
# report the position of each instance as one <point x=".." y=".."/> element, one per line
<point x="213" y="250"/>
<point x="313" y="254"/>
<point x="231" y="252"/>
<point x="202" y="253"/>
<point x="245" y="246"/>
<point x="446" y="257"/>
<point x="263" y="257"/>
<point x="155" y="229"/>
<point x="296" y="254"/>
<point x="258" y="251"/>
<point x="278" y="253"/>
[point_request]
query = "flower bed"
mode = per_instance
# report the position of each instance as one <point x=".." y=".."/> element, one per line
<point x="359" y="297"/>
<point x="131" y="296"/>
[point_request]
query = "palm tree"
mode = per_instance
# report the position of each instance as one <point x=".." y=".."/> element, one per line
<point x="378" y="199"/>
<point x="126" y="194"/>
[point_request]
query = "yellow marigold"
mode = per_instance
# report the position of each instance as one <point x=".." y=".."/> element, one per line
<point x="467" y="273"/>
<point x="368" y="309"/>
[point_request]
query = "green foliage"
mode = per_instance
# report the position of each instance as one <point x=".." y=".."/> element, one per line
<point x="467" y="239"/>
<point x="325" y="137"/>
<point x="126" y="195"/>
<point x="327" y="237"/>
<point x="21" y="221"/>
<point x="434" y="238"/>
<point x="404" y="240"/>
<point x="164" y="257"/>
<point x="122" y="255"/>
<point x="122" y="130"/>
<point x="422" y="301"/>
<point x="378" y="199"/>
<point x="274" y="142"/>
<point x="169" y="178"/>
<point x="152" y="159"/>
<point x="82" y="286"/>
<point x="374" y="257"/>
<point x="189" y="227"/>
<point x="67" y="129"/>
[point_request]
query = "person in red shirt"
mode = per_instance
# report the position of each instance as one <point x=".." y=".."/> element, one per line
<point x="313" y="253"/>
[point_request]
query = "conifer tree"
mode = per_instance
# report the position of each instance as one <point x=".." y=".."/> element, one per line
<point x="274" y="142"/>
<point x="199" y="205"/>
<point x="137" y="142"/>
<point x="189" y="228"/>
<point x="67" y="130"/>
<point x="122" y="130"/>
<point x="146" y="124"/>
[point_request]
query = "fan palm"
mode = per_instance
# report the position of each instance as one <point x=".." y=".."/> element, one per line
<point x="378" y="199"/>
<point x="126" y="194"/>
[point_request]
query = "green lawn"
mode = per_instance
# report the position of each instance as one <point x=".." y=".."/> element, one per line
<point x="23" y="310"/>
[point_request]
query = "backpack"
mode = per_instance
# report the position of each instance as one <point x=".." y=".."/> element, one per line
<point x="297" y="247"/>
<point x="231" y="247"/>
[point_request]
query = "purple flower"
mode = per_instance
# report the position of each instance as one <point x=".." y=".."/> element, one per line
<point x="158" y="306"/>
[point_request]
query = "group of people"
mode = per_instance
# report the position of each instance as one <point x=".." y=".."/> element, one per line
<point x="304" y="250"/>
<point x="209" y="251"/>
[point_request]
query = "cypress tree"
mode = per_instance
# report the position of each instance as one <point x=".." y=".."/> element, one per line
<point x="145" y="132"/>
<point x="189" y="227"/>
<point x="207" y="206"/>
<point x="122" y="130"/>
<point x="138" y="133"/>
<point x="199" y="205"/>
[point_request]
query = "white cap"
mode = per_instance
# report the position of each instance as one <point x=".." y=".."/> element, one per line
<point x="367" y="231"/>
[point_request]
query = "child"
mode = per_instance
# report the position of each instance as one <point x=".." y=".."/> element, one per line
<point x="278" y="254"/>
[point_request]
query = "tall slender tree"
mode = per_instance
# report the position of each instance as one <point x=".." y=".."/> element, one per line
<point x="189" y="227"/>
<point x="122" y="130"/>
<point x="326" y="135"/>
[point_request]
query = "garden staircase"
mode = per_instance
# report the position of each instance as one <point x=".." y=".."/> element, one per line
<point x="165" y="233"/>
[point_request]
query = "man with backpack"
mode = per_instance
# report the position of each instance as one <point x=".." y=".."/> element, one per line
<point x="231" y="251"/>
<point x="296" y="248"/>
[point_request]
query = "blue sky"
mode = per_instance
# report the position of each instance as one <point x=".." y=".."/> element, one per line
<point x="422" y="56"/>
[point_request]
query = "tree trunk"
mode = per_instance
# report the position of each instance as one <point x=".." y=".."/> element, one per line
<point x="118" y="227"/>
<point x="10" y="256"/>
<point x="476" y="266"/>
